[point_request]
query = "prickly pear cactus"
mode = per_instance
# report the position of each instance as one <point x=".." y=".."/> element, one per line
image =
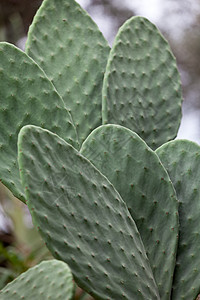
<point x="181" y="159"/>
<point x="48" y="280"/>
<point x="135" y="170"/>
<point x="68" y="199"/>
<point x="120" y="233"/>
<point x="26" y="97"/>
<point x="75" y="63"/>
<point x="141" y="88"/>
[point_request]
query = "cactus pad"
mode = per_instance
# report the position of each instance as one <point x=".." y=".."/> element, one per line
<point x="48" y="280"/>
<point x="137" y="174"/>
<point x="141" y="87"/>
<point x="69" y="47"/>
<point x="26" y="97"/>
<point x="83" y="219"/>
<point x="181" y="158"/>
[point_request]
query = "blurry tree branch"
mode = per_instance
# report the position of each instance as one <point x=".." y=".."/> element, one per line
<point x="114" y="9"/>
<point x="187" y="51"/>
<point x="16" y="17"/>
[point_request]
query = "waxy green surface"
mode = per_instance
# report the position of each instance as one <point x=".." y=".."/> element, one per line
<point x="142" y="89"/>
<point x="50" y="280"/>
<point x="69" y="47"/>
<point x="83" y="219"/>
<point x="137" y="174"/>
<point x="26" y="97"/>
<point x="181" y="158"/>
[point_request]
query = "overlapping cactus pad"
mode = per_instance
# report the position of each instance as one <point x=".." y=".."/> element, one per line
<point x="75" y="62"/>
<point x="181" y="158"/>
<point x="26" y="97"/>
<point x="49" y="280"/>
<point x="83" y="219"/>
<point x="110" y="211"/>
<point x="137" y="174"/>
<point x="141" y="87"/>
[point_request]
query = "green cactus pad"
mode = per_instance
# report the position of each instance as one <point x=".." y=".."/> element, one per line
<point x="83" y="219"/>
<point x="137" y="174"/>
<point x="69" y="47"/>
<point x="181" y="158"/>
<point x="141" y="87"/>
<point x="49" y="280"/>
<point x="26" y="97"/>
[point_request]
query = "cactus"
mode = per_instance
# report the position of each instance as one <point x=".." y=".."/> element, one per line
<point x="75" y="63"/>
<point x="181" y="159"/>
<point x="27" y="97"/>
<point x="135" y="170"/>
<point x="48" y="280"/>
<point x="103" y="198"/>
<point x="141" y="88"/>
<point x="57" y="189"/>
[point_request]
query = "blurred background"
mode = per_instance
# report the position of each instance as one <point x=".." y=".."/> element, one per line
<point x="178" y="20"/>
